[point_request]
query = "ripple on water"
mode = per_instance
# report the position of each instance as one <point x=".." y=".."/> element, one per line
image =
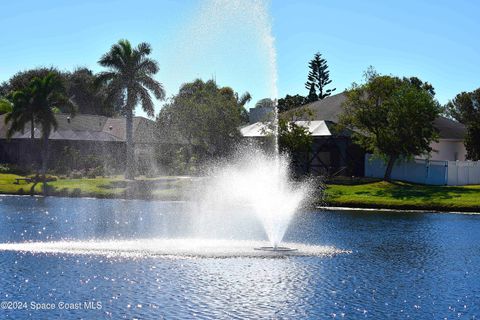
<point x="169" y="247"/>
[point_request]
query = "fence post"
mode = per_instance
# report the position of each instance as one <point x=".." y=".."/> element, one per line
<point x="445" y="179"/>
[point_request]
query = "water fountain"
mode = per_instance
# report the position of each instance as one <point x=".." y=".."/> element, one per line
<point x="253" y="177"/>
<point x="257" y="182"/>
<point x="251" y="183"/>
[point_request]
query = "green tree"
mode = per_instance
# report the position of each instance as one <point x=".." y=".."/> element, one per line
<point x="89" y="96"/>
<point x="242" y="100"/>
<point x="290" y="102"/>
<point x="22" y="113"/>
<point x="293" y="138"/>
<point x="38" y="101"/>
<point x="130" y="72"/>
<point x="22" y="79"/>
<point x="318" y="78"/>
<point x="392" y="117"/>
<point x="202" y="118"/>
<point x="465" y="108"/>
<point x="265" y="103"/>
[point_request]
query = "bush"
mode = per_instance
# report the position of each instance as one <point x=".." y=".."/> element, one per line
<point x="39" y="178"/>
<point x="95" y="172"/>
<point x="14" y="168"/>
<point x="76" y="174"/>
<point x="4" y="168"/>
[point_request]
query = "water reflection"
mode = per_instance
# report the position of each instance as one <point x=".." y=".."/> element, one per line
<point x="418" y="266"/>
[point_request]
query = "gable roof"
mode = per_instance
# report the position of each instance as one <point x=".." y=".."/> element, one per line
<point x="330" y="109"/>
<point x="450" y="129"/>
<point x="85" y="127"/>
<point x="316" y="128"/>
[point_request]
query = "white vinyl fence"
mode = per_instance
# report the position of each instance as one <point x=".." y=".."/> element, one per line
<point x="432" y="172"/>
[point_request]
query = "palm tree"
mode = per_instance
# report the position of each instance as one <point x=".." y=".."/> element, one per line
<point x="39" y="101"/>
<point x="241" y="102"/>
<point x="130" y="72"/>
<point x="22" y="113"/>
<point x="5" y="106"/>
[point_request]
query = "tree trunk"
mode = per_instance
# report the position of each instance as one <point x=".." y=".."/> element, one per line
<point x="130" y="169"/>
<point x="44" y="163"/>
<point x="31" y="159"/>
<point x="32" y="128"/>
<point x="388" y="171"/>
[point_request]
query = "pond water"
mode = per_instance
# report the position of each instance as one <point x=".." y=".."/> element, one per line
<point x="374" y="265"/>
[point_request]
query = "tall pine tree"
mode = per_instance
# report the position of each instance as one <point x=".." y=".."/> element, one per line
<point x="311" y="84"/>
<point x="318" y="78"/>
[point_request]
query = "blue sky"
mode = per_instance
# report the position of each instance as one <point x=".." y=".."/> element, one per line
<point x="434" y="40"/>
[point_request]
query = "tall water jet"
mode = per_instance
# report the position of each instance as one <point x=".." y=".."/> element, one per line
<point x="254" y="179"/>
<point x="230" y="41"/>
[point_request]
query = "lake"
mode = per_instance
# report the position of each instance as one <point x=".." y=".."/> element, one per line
<point x="380" y="264"/>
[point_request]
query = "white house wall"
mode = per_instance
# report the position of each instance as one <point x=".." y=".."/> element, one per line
<point x="448" y="150"/>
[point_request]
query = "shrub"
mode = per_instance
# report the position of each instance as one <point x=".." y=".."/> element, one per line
<point x="95" y="172"/>
<point x="39" y="178"/>
<point x="76" y="174"/>
<point x="4" y="168"/>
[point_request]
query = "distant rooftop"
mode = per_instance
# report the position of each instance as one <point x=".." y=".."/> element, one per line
<point x="317" y="128"/>
<point x="330" y="108"/>
<point x="84" y="127"/>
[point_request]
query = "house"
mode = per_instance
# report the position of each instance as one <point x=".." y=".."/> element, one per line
<point x="89" y="135"/>
<point x="332" y="152"/>
<point x="452" y="134"/>
<point x="335" y="152"/>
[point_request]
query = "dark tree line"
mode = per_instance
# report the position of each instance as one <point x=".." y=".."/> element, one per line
<point x="80" y="85"/>
<point x="465" y="108"/>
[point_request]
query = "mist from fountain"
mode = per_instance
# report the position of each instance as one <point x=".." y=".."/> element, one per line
<point x="257" y="182"/>
<point x="253" y="178"/>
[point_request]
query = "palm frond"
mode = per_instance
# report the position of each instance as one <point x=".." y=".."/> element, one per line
<point x="5" y="106"/>
<point x="148" y="66"/>
<point x="144" y="48"/>
<point x="154" y="86"/>
<point x="117" y="57"/>
<point x="146" y="100"/>
<point x="244" y="99"/>
<point x="104" y="77"/>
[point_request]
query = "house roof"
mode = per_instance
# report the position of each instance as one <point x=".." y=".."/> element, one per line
<point x="450" y="129"/>
<point x="330" y="109"/>
<point x="84" y="127"/>
<point x="316" y="128"/>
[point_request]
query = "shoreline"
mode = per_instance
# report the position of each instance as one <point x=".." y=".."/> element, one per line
<point x="325" y="207"/>
<point x="377" y="209"/>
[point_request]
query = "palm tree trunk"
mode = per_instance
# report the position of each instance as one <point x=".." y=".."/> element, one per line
<point x="130" y="170"/>
<point x="31" y="158"/>
<point x="44" y="163"/>
<point x="32" y="129"/>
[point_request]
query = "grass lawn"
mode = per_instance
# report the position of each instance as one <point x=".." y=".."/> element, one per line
<point x="162" y="188"/>
<point x="366" y="193"/>
<point x="381" y="194"/>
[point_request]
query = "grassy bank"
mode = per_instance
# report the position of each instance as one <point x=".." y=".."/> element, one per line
<point x="162" y="188"/>
<point x="347" y="193"/>
<point x="401" y="195"/>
